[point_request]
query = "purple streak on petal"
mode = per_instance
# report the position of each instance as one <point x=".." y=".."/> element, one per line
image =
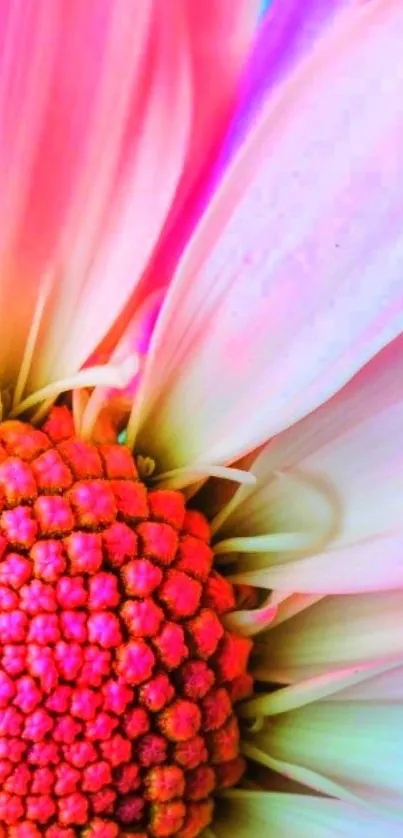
<point x="287" y="33"/>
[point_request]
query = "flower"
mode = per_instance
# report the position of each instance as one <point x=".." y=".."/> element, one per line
<point x="136" y="675"/>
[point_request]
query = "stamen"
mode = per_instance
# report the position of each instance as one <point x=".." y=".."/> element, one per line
<point x="290" y="604"/>
<point x="225" y="512"/>
<point x="269" y="543"/>
<point x="79" y="403"/>
<point x="239" y="794"/>
<point x="257" y="725"/>
<point x="107" y="375"/>
<point x="250" y="622"/>
<point x="146" y="466"/>
<point x="310" y="514"/>
<point x="302" y="775"/>
<point x="181" y="477"/>
<point x="42" y="411"/>
<point x="25" y="367"/>
<point x="134" y="421"/>
<point x="90" y="413"/>
<point x="312" y="689"/>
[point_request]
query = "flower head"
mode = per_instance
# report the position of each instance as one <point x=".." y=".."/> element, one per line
<point x="202" y="278"/>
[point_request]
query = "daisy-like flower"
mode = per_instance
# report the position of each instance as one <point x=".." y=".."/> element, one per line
<point x="179" y="656"/>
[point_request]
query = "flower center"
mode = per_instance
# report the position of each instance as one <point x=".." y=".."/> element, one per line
<point x="117" y="678"/>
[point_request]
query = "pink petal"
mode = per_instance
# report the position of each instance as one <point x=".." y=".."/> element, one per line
<point x="28" y="38"/>
<point x="131" y="166"/>
<point x="327" y="685"/>
<point x="338" y="632"/>
<point x="387" y="686"/>
<point x="96" y="120"/>
<point x="221" y="34"/>
<point x="293" y="279"/>
<point x="351" y="447"/>
<point x="29" y="32"/>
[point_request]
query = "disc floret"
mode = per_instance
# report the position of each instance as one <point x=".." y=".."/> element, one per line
<point x="117" y="677"/>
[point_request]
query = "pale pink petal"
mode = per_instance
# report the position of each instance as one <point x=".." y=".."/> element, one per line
<point x="292" y="604"/>
<point x="270" y="311"/>
<point x="367" y="566"/>
<point x="243" y="813"/>
<point x="355" y="745"/>
<point x="251" y="621"/>
<point x="350" y="449"/>
<point x="283" y="515"/>
<point x="387" y="686"/>
<point x="333" y="634"/>
<point x="328" y="685"/>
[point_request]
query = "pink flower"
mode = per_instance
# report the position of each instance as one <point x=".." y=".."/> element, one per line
<point x="202" y="249"/>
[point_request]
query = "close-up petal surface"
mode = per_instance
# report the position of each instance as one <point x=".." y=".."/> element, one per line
<point x="201" y="411"/>
<point x="325" y="261"/>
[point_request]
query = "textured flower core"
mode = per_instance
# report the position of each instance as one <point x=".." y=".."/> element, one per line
<point x="117" y="677"/>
